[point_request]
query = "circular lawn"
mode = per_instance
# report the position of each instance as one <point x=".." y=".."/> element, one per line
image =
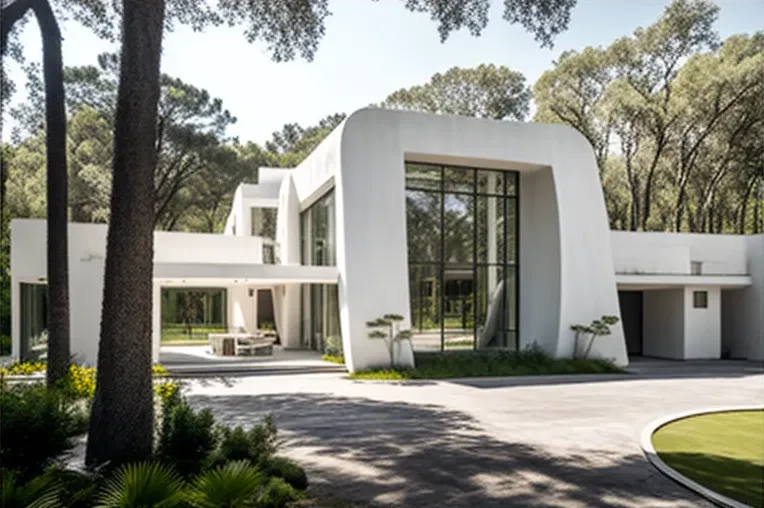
<point x="721" y="451"/>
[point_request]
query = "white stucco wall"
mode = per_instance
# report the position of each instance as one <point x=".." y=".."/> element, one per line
<point x="364" y="159"/>
<point x="672" y="253"/>
<point x="702" y="327"/>
<point x="663" y="325"/>
<point x="87" y="249"/>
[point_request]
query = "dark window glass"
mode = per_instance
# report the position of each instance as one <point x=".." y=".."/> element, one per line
<point x="264" y="222"/>
<point x="423" y="225"/>
<point x="425" y="299"/>
<point x="700" y="299"/>
<point x="511" y="178"/>
<point x="318" y="233"/>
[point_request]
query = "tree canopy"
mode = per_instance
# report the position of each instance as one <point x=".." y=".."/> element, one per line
<point x="485" y="91"/>
<point x="674" y="117"/>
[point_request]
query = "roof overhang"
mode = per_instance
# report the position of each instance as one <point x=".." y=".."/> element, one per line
<point x="204" y="274"/>
<point x="659" y="281"/>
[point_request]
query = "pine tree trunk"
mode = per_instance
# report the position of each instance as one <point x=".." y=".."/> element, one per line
<point x="121" y="424"/>
<point x="58" y="255"/>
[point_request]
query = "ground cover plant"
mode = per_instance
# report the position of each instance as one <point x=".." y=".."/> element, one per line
<point x="527" y="362"/>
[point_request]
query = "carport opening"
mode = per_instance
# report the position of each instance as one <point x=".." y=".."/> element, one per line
<point x="632" y="313"/>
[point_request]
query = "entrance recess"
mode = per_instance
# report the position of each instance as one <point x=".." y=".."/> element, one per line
<point x="631" y="316"/>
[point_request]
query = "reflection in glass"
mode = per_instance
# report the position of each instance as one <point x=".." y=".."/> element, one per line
<point x="423" y="225"/>
<point x="458" y="226"/>
<point x="462" y="244"/>
<point x="458" y="299"/>
<point x="490" y="229"/>
<point x="423" y="176"/>
<point x="458" y="180"/>
<point x="425" y="299"/>
<point x="318" y="233"/>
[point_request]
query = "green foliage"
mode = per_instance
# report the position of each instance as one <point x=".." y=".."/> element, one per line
<point x="233" y="485"/>
<point x="486" y="91"/>
<point x="530" y="361"/>
<point x="37" y="426"/>
<point x="288" y="470"/>
<point x="143" y="484"/>
<point x="333" y="359"/>
<point x="18" y="368"/>
<point x="76" y="489"/>
<point x="597" y="328"/>
<point x="675" y="120"/>
<point x="278" y="493"/>
<point x="39" y="492"/>
<point x="5" y="344"/>
<point x="388" y="328"/>
<point x="333" y="346"/>
<point x="80" y="382"/>
<point x="187" y="438"/>
<point x="256" y="445"/>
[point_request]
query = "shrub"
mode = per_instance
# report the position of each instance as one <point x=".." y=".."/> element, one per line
<point x="167" y="391"/>
<point x="288" y="470"/>
<point x="158" y="370"/>
<point x="333" y="346"/>
<point x="233" y="485"/>
<point x="256" y="445"/>
<point x="143" y="484"/>
<point x="76" y="489"/>
<point x="39" y="492"/>
<point x="278" y="493"/>
<point x="187" y="438"/>
<point x="37" y="426"/>
<point x="18" y="368"/>
<point x="80" y="382"/>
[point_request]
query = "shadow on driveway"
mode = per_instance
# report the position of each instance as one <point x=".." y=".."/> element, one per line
<point x="371" y="452"/>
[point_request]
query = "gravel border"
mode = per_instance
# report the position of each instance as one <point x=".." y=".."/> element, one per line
<point x="646" y="442"/>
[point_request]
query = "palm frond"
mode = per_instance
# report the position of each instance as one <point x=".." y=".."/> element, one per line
<point x="143" y="484"/>
<point x="233" y="485"/>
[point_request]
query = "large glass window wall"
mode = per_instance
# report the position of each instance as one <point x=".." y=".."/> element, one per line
<point x="462" y="247"/>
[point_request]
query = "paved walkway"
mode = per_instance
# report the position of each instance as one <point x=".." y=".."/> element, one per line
<point x="481" y="443"/>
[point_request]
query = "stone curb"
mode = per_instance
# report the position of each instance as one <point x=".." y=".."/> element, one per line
<point x="646" y="442"/>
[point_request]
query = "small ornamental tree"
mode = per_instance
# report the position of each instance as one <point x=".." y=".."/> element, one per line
<point x="388" y="327"/>
<point x="596" y="328"/>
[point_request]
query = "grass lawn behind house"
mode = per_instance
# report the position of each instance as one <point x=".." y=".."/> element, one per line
<point x="176" y="335"/>
<point x="723" y="452"/>
<point x="494" y="363"/>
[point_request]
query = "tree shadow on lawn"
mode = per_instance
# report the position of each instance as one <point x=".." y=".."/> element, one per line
<point x="401" y="454"/>
<point x="738" y="479"/>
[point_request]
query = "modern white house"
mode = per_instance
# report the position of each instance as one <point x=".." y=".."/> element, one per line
<point x="481" y="234"/>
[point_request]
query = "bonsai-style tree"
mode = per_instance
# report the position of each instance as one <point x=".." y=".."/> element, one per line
<point x="388" y="327"/>
<point x="596" y="328"/>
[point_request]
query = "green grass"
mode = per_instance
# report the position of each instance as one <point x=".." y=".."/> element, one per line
<point x="334" y="359"/>
<point x="722" y="451"/>
<point x="529" y="362"/>
<point x="177" y="334"/>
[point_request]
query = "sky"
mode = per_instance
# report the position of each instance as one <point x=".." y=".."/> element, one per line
<point x="370" y="50"/>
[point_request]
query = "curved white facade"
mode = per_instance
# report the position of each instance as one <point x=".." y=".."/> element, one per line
<point x="571" y="269"/>
<point x="566" y="265"/>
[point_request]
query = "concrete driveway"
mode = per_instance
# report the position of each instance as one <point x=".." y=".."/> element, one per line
<point x="563" y="442"/>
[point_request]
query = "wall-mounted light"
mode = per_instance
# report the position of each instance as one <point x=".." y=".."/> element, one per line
<point x="251" y="293"/>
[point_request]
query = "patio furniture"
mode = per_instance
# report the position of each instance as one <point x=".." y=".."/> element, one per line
<point x="240" y="344"/>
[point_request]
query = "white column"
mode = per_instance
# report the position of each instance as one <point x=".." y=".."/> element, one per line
<point x="156" y="319"/>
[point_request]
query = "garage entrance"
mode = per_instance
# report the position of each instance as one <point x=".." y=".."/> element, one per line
<point x="630" y="303"/>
